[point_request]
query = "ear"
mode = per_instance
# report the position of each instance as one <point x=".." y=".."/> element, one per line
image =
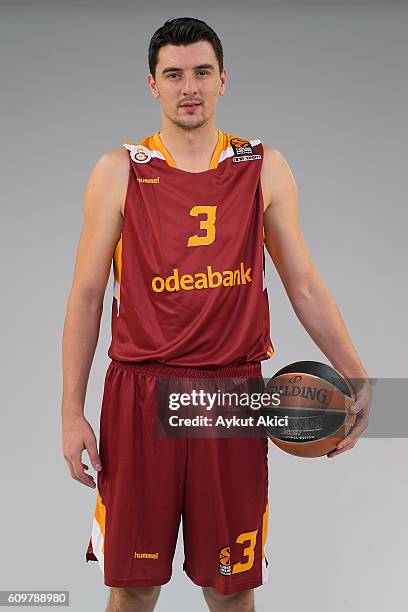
<point x="152" y="86"/>
<point x="223" y="81"/>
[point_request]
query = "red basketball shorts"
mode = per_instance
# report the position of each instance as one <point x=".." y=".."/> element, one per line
<point x="217" y="485"/>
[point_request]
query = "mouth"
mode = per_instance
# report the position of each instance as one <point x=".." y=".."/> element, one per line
<point x="190" y="105"/>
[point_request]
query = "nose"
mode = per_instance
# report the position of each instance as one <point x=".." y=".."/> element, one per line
<point x="189" y="85"/>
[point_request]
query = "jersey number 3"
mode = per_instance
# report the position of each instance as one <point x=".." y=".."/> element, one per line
<point x="207" y="224"/>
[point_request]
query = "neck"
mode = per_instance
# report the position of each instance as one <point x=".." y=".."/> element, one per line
<point x="194" y="146"/>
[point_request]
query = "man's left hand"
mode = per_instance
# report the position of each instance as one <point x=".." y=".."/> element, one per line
<point x="361" y="407"/>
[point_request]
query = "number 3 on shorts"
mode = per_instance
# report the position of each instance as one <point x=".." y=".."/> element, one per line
<point x="250" y="536"/>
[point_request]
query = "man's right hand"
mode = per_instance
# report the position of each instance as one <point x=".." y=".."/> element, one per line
<point x="77" y="436"/>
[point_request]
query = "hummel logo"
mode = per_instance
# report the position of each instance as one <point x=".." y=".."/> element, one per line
<point x="140" y="555"/>
<point x="148" y="180"/>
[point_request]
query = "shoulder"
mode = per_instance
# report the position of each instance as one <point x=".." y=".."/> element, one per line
<point x="113" y="163"/>
<point x="273" y="159"/>
<point x="276" y="175"/>
<point x="109" y="177"/>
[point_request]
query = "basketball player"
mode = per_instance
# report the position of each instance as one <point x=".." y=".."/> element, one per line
<point x="184" y="213"/>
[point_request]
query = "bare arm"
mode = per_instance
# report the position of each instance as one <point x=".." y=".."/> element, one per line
<point x="311" y="300"/>
<point x="102" y="225"/>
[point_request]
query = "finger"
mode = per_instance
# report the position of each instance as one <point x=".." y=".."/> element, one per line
<point x="354" y="433"/>
<point x="72" y="472"/>
<point x="351" y="436"/>
<point x="93" y="454"/>
<point x="345" y="442"/>
<point x="356" y="407"/>
<point x="338" y="451"/>
<point x="358" y="429"/>
<point x="80" y="473"/>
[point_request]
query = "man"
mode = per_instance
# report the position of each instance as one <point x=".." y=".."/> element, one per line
<point x="184" y="215"/>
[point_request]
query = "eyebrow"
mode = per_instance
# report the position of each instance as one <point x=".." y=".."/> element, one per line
<point x="200" y="67"/>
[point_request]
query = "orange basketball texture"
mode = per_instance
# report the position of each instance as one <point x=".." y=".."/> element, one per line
<point x="315" y="398"/>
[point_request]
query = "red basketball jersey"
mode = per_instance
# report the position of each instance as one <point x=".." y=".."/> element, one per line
<point x="189" y="281"/>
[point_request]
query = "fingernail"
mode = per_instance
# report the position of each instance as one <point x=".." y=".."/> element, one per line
<point x="98" y="466"/>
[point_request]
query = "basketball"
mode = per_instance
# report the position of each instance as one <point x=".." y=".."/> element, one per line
<point x="315" y="399"/>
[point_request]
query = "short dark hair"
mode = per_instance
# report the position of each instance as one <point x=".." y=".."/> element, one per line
<point x="183" y="31"/>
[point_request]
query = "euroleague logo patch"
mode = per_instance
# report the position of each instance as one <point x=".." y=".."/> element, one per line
<point x="224" y="555"/>
<point x="140" y="154"/>
<point x="241" y="147"/>
<point x="243" y="150"/>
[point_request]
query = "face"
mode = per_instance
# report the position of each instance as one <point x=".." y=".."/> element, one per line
<point x="187" y="83"/>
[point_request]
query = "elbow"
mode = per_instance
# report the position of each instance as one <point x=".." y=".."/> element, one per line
<point x="88" y="297"/>
<point x="306" y="292"/>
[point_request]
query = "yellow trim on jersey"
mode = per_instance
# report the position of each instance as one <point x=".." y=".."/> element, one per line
<point x="264" y="528"/>
<point x="222" y="144"/>
<point x="158" y="144"/>
<point x="100" y="518"/>
<point x="155" y="143"/>
<point x="219" y="147"/>
<point x="117" y="264"/>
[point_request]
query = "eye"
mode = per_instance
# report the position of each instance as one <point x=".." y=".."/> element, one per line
<point x="172" y="74"/>
<point x="203" y="72"/>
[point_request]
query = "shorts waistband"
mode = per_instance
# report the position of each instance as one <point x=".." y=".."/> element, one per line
<point x="251" y="369"/>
